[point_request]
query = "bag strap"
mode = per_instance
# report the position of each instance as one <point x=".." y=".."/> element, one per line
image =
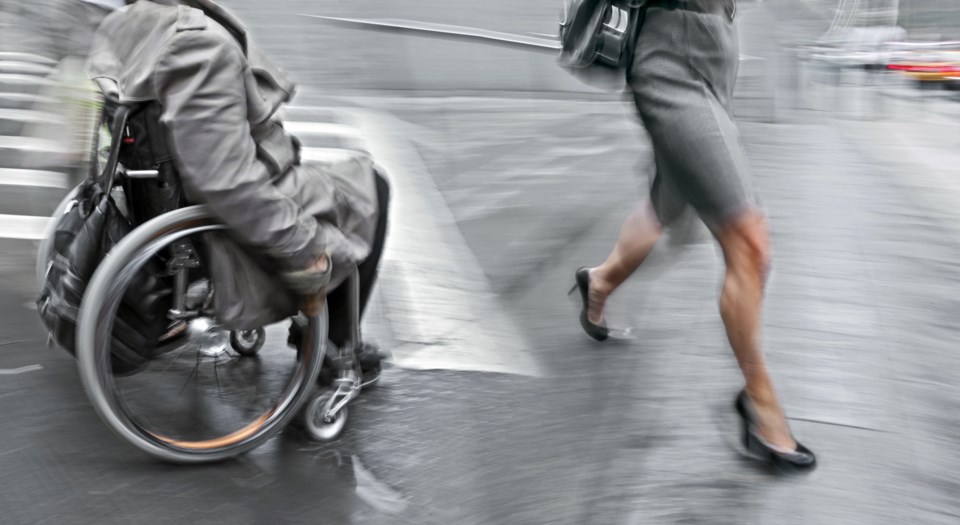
<point x="109" y="173"/>
<point x="637" y="17"/>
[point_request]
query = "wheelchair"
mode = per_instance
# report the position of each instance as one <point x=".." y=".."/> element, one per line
<point x="204" y="393"/>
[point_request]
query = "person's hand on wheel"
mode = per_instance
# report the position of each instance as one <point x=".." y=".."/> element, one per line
<point x="311" y="284"/>
<point x="321" y="265"/>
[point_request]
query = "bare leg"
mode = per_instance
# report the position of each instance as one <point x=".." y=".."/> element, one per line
<point x="638" y="235"/>
<point x="746" y="251"/>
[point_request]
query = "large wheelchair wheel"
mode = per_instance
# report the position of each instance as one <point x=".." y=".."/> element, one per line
<point x="45" y="249"/>
<point x="193" y="400"/>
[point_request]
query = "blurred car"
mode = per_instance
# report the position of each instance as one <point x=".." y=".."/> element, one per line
<point x="930" y="65"/>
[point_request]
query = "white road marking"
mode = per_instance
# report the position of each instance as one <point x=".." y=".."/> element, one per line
<point x="27" y="57"/>
<point x="28" y="80"/>
<point x="30" y="116"/>
<point x="21" y="370"/>
<point x="36" y="178"/>
<point x="28" y="98"/>
<point x="436" y="294"/>
<point x="31" y="144"/>
<point x="327" y="155"/>
<point x="322" y="128"/>
<point x="22" y="227"/>
<point x="453" y="31"/>
<point x="12" y="66"/>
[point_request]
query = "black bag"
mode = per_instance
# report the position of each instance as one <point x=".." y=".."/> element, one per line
<point x="89" y="229"/>
<point x="597" y="39"/>
<point x="91" y="226"/>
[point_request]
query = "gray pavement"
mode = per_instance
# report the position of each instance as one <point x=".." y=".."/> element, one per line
<point x="859" y="332"/>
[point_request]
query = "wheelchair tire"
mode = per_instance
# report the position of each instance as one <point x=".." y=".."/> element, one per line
<point x="242" y="344"/>
<point x="98" y="310"/>
<point x="46" y="244"/>
<point x="310" y="419"/>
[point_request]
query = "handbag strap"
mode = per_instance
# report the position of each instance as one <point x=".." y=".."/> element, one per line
<point x="637" y="16"/>
<point x="120" y="116"/>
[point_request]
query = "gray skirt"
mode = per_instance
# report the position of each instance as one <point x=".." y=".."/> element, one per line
<point x="683" y="76"/>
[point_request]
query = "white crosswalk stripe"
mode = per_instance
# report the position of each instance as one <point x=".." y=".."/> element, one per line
<point x="30" y="116"/>
<point x="23" y="78"/>
<point x="322" y="128"/>
<point x="28" y="68"/>
<point x="26" y="57"/>
<point x="325" y="154"/>
<point x="20" y="79"/>
<point x="35" y="178"/>
<point x="23" y="99"/>
<point x="22" y="227"/>
<point x="30" y="144"/>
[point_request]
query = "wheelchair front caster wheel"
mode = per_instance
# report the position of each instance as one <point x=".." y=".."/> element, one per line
<point x="318" y="427"/>
<point x="248" y="342"/>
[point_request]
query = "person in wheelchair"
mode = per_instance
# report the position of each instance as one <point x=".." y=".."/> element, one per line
<point x="219" y="98"/>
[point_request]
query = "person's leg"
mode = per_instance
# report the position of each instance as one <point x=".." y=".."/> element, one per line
<point x="337" y="301"/>
<point x="638" y="234"/>
<point x="745" y="242"/>
<point x="369" y="268"/>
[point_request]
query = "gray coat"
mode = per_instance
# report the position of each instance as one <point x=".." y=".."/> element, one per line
<point x="220" y="98"/>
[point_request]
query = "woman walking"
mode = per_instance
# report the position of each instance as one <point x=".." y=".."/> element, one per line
<point x="682" y="77"/>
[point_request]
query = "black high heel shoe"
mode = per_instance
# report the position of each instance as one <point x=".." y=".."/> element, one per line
<point x="600" y="332"/>
<point x="801" y="459"/>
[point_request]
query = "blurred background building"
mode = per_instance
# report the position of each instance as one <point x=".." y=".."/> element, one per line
<point x="931" y="19"/>
<point x="925" y="19"/>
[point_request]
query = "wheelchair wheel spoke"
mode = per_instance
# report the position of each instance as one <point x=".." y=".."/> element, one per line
<point x="191" y="376"/>
<point x="216" y="375"/>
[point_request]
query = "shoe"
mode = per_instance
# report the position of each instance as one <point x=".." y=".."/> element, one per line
<point x="801" y="459"/>
<point x="174" y="332"/>
<point x="370" y="357"/>
<point x="368" y="354"/>
<point x="371" y="362"/>
<point x="600" y="332"/>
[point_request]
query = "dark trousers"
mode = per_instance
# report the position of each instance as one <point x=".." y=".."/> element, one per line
<point x="338" y="302"/>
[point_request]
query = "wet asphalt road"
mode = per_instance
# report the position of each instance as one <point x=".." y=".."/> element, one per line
<point x="521" y="191"/>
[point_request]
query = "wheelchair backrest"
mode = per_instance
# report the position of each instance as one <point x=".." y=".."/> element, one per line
<point x="141" y="161"/>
